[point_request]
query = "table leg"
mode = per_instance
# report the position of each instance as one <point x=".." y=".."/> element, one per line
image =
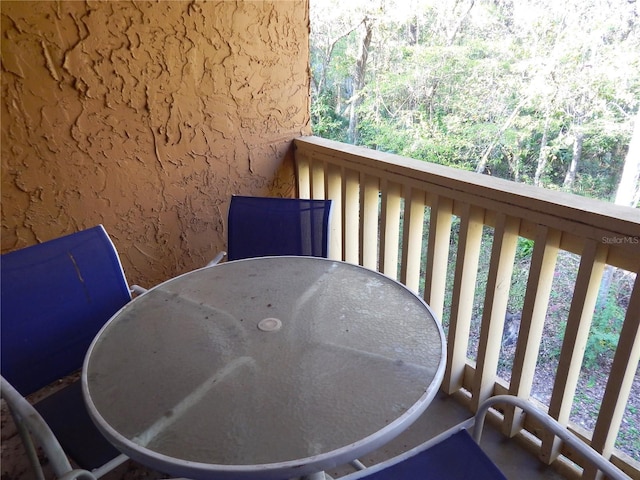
<point x="317" y="476"/>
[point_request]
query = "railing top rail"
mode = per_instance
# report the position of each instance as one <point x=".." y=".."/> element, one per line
<point x="605" y="221"/>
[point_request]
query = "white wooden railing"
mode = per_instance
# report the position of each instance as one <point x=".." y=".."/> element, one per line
<point x="381" y="202"/>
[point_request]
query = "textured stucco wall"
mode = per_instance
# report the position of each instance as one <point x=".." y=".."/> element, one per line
<point x="146" y="117"/>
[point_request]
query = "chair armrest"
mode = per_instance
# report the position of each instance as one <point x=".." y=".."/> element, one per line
<point x="551" y="424"/>
<point x="77" y="475"/>
<point x="137" y="289"/>
<point x="28" y="421"/>
<point x="217" y="259"/>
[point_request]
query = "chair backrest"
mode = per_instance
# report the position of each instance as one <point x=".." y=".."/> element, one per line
<point x="55" y="296"/>
<point x="261" y="226"/>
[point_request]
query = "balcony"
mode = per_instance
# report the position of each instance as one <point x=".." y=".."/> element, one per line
<point x="168" y="122"/>
<point x="384" y="208"/>
<point x="385" y="205"/>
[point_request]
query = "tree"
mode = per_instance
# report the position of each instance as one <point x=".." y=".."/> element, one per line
<point x="628" y="192"/>
<point x="451" y="21"/>
<point x="327" y="53"/>
<point x="536" y="90"/>
<point x="543" y="154"/>
<point x="578" y="141"/>
<point x="482" y="164"/>
<point x="359" y="80"/>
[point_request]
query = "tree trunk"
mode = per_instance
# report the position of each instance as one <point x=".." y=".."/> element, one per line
<point x="482" y="164"/>
<point x="628" y="192"/>
<point x="454" y="28"/>
<point x="328" y="54"/>
<point x="542" y="156"/>
<point x="570" y="177"/>
<point x="359" y="82"/>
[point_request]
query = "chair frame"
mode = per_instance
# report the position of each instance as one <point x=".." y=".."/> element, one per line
<point x="477" y="424"/>
<point x="30" y="425"/>
<point x="589" y="454"/>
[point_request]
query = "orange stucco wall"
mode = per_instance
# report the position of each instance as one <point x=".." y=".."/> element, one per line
<point x="146" y="117"/>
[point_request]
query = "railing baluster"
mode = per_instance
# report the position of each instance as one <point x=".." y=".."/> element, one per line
<point x="576" y="333"/>
<point x="414" y="203"/>
<point x="351" y="216"/>
<point x="438" y="253"/>
<point x="317" y="179"/>
<point x="534" y="311"/>
<point x="390" y="227"/>
<point x="495" y="307"/>
<point x="463" y="291"/>
<point x="303" y="175"/>
<point x="369" y="221"/>
<point x="623" y="369"/>
<point x="334" y="192"/>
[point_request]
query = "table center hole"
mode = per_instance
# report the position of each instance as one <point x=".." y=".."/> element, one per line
<point x="269" y="324"/>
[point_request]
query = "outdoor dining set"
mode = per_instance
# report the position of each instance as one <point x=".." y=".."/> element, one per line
<point x="272" y="362"/>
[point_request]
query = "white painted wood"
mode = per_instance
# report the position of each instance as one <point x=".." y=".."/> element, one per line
<point x="390" y="227"/>
<point x="438" y="253"/>
<point x="580" y="216"/>
<point x="317" y="180"/>
<point x="463" y="289"/>
<point x="623" y="369"/>
<point x="534" y="312"/>
<point x="303" y="175"/>
<point x="334" y="193"/>
<point x="369" y="207"/>
<point x="414" y="204"/>
<point x="351" y="226"/>
<point x="495" y="307"/>
<point x="575" y="340"/>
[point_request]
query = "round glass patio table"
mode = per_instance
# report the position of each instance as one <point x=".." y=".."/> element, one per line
<point x="264" y="368"/>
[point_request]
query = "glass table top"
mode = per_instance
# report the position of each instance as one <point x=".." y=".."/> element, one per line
<point x="268" y="367"/>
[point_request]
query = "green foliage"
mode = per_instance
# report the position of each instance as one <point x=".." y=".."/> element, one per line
<point x="382" y="136"/>
<point x="324" y="120"/>
<point x="604" y="333"/>
<point x="525" y="248"/>
<point x="630" y="436"/>
<point x="508" y="78"/>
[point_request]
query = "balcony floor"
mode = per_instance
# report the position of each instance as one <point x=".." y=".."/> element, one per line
<point x="442" y="413"/>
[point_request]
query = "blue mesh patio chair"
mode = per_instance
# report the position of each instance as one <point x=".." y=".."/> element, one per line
<point x="456" y="455"/>
<point x="55" y="298"/>
<point x="265" y="226"/>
